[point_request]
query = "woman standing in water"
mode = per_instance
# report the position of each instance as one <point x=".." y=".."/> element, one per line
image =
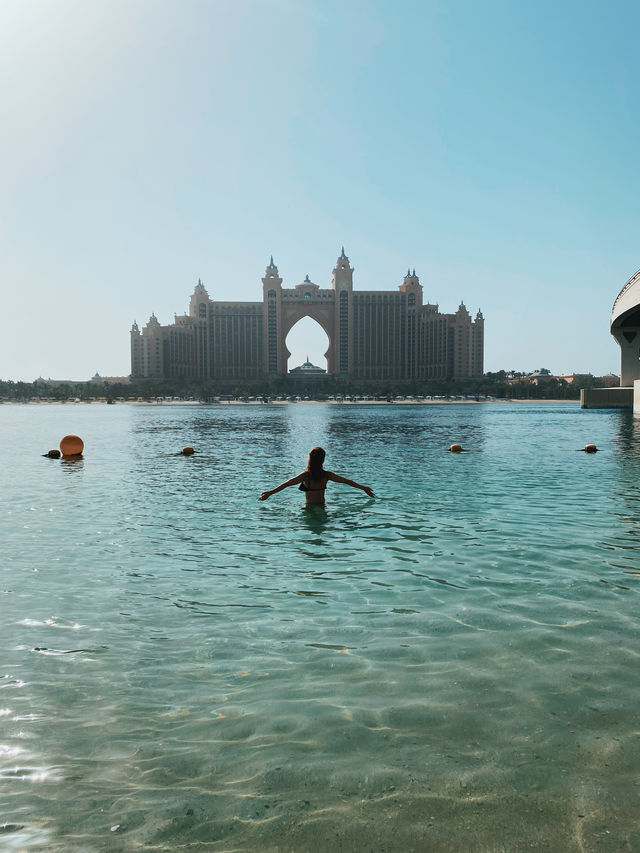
<point x="313" y="480"/>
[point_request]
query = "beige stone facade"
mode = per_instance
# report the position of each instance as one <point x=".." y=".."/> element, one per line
<point x="373" y="334"/>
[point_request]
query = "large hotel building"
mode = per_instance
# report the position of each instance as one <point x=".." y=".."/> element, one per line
<point x="373" y="334"/>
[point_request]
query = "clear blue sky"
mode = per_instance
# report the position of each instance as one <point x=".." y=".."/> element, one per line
<point x="491" y="145"/>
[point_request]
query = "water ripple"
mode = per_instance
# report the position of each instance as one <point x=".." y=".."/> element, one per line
<point x="184" y="667"/>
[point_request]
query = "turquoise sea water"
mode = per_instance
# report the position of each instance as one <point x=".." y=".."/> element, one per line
<point x="450" y="667"/>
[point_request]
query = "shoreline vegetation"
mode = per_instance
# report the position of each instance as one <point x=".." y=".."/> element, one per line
<point x="504" y="386"/>
<point x="241" y="402"/>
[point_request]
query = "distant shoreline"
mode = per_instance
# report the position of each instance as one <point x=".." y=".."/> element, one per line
<point x="279" y="402"/>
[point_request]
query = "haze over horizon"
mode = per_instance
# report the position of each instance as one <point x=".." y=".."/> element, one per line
<point x="146" y="144"/>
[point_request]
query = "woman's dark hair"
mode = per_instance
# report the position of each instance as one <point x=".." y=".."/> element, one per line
<point x="314" y="465"/>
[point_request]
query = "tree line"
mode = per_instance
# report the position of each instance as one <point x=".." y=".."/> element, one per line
<point x="501" y="384"/>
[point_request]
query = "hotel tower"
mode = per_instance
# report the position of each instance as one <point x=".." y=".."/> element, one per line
<point x="373" y="334"/>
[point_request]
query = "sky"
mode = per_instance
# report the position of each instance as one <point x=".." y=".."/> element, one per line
<point x="144" y="144"/>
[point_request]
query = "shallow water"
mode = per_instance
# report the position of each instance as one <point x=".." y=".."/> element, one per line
<point x="452" y="666"/>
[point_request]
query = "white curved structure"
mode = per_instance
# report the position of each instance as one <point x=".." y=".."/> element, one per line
<point x="625" y="328"/>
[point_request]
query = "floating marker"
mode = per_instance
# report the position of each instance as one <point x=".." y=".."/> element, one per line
<point x="71" y="445"/>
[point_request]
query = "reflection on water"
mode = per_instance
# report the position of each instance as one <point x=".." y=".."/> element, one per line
<point x="187" y="668"/>
<point x="71" y="464"/>
<point x="626" y="434"/>
<point x="315" y="518"/>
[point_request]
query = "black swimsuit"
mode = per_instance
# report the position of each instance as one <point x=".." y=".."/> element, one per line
<point x="304" y="488"/>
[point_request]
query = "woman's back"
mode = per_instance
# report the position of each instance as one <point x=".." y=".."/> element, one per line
<point x="314" y="486"/>
<point x="313" y="480"/>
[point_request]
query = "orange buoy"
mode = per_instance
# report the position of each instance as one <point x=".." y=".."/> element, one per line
<point x="590" y="448"/>
<point x="188" y="451"/>
<point x="455" y="448"/>
<point x="52" y="454"/>
<point x="71" y="445"/>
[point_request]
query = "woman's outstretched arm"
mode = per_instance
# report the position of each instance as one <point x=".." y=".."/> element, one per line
<point x="338" y="479"/>
<point x="294" y="481"/>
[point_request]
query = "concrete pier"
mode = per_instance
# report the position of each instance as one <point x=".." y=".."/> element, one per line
<point x="608" y="398"/>
<point x="625" y="328"/>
